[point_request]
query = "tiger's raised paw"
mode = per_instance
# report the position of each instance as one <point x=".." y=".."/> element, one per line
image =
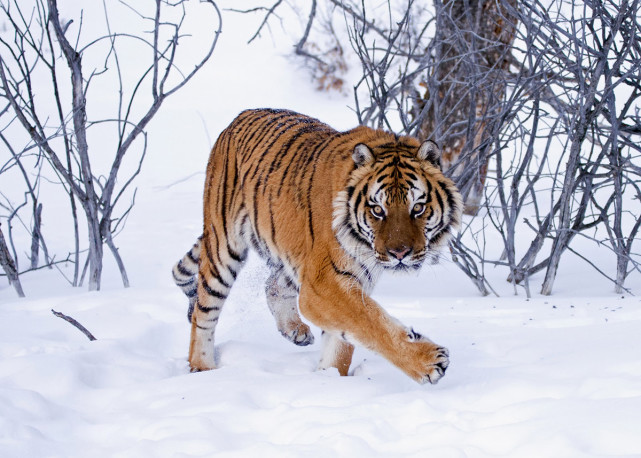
<point x="300" y="335"/>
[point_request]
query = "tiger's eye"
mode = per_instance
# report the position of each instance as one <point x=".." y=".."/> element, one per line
<point x="378" y="211"/>
<point x="418" y="209"/>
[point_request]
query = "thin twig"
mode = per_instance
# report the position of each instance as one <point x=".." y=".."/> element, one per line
<point x="80" y="327"/>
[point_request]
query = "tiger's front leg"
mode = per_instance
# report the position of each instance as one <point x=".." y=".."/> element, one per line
<point x="351" y="313"/>
<point x="335" y="352"/>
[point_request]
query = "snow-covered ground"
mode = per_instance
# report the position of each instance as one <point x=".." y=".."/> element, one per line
<point x="556" y="376"/>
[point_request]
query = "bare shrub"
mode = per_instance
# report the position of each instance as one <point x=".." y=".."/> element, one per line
<point x="536" y="105"/>
<point x="59" y="79"/>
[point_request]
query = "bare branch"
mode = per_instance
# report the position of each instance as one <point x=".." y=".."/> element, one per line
<point x="77" y="325"/>
<point x="270" y="11"/>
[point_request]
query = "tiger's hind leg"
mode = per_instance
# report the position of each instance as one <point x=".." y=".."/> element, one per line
<point x="282" y="301"/>
<point x="216" y="275"/>
<point x="185" y="274"/>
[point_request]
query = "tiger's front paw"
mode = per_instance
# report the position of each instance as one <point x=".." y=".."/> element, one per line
<point x="427" y="361"/>
<point x="437" y="367"/>
<point x="200" y="363"/>
<point x="200" y="367"/>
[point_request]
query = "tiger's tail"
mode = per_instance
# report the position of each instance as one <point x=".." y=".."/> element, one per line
<point x="185" y="274"/>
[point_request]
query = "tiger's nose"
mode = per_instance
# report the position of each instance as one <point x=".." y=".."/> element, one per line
<point x="400" y="252"/>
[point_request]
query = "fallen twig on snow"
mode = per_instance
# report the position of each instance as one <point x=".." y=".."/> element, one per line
<point x="68" y="319"/>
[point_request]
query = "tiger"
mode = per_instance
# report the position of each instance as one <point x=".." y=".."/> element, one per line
<point x="329" y="211"/>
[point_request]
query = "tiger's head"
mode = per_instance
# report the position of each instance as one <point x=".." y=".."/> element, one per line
<point x="398" y="208"/>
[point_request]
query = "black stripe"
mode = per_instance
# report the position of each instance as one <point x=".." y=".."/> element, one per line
<point x="396" y="147"/>
<point x="350" y="192"/>
<point x="183" y="270"/>
<point x="439" y="226"/>
<point x="191" y="256"/>
<point x="223" y="207"/>
<point x="256" y="245"/>
<point x="358" y="236"/>
<point x="186" y="283"/>
<point x="208" y="249"/>
<point x="367" y="273"/>
<point x="219" y="241"/>
<point x="176" y="278"/>
<point x="381" y="189"/>
<point x="234" y="255"/>
<point x="204" y="309"/>
<point x="439" y="199"/>
<point x="365" y="229"/>
<point x="309" y="201"/>
<point x="357" y="203"/>
<point x="233" y="273"/>
<point x="386" y="166"/>
<point x="216" y="274"/>
<point x="343" y="272"/>
<point x="429" y="187"/>
<point x="435" y="240"/>
<point x="211" y="291"/>
<point x="255" y="220"/>
<point x="271" y="219"/>
<point x="236" y="174"/>
<point x="310" y="222"/>
<point x="450" y="197"/>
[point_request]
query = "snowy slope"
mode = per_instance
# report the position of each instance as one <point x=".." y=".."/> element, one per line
<point x="552" y="376"/>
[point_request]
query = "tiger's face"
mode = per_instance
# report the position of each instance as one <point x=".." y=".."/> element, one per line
<point x="398" y="208"/>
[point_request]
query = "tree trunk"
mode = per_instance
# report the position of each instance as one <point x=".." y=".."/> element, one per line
<point x="472" y="52"/>
<point x="35" y="236"/>
<point x="6" y="261"/>
<point x="79" y="103"/>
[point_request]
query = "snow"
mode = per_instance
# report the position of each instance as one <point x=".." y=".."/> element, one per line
<point x="556" y="376"/>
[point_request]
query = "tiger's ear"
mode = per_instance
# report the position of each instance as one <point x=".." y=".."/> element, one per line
<point x="429" y="151"/>
<point x="362" y="155"/>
